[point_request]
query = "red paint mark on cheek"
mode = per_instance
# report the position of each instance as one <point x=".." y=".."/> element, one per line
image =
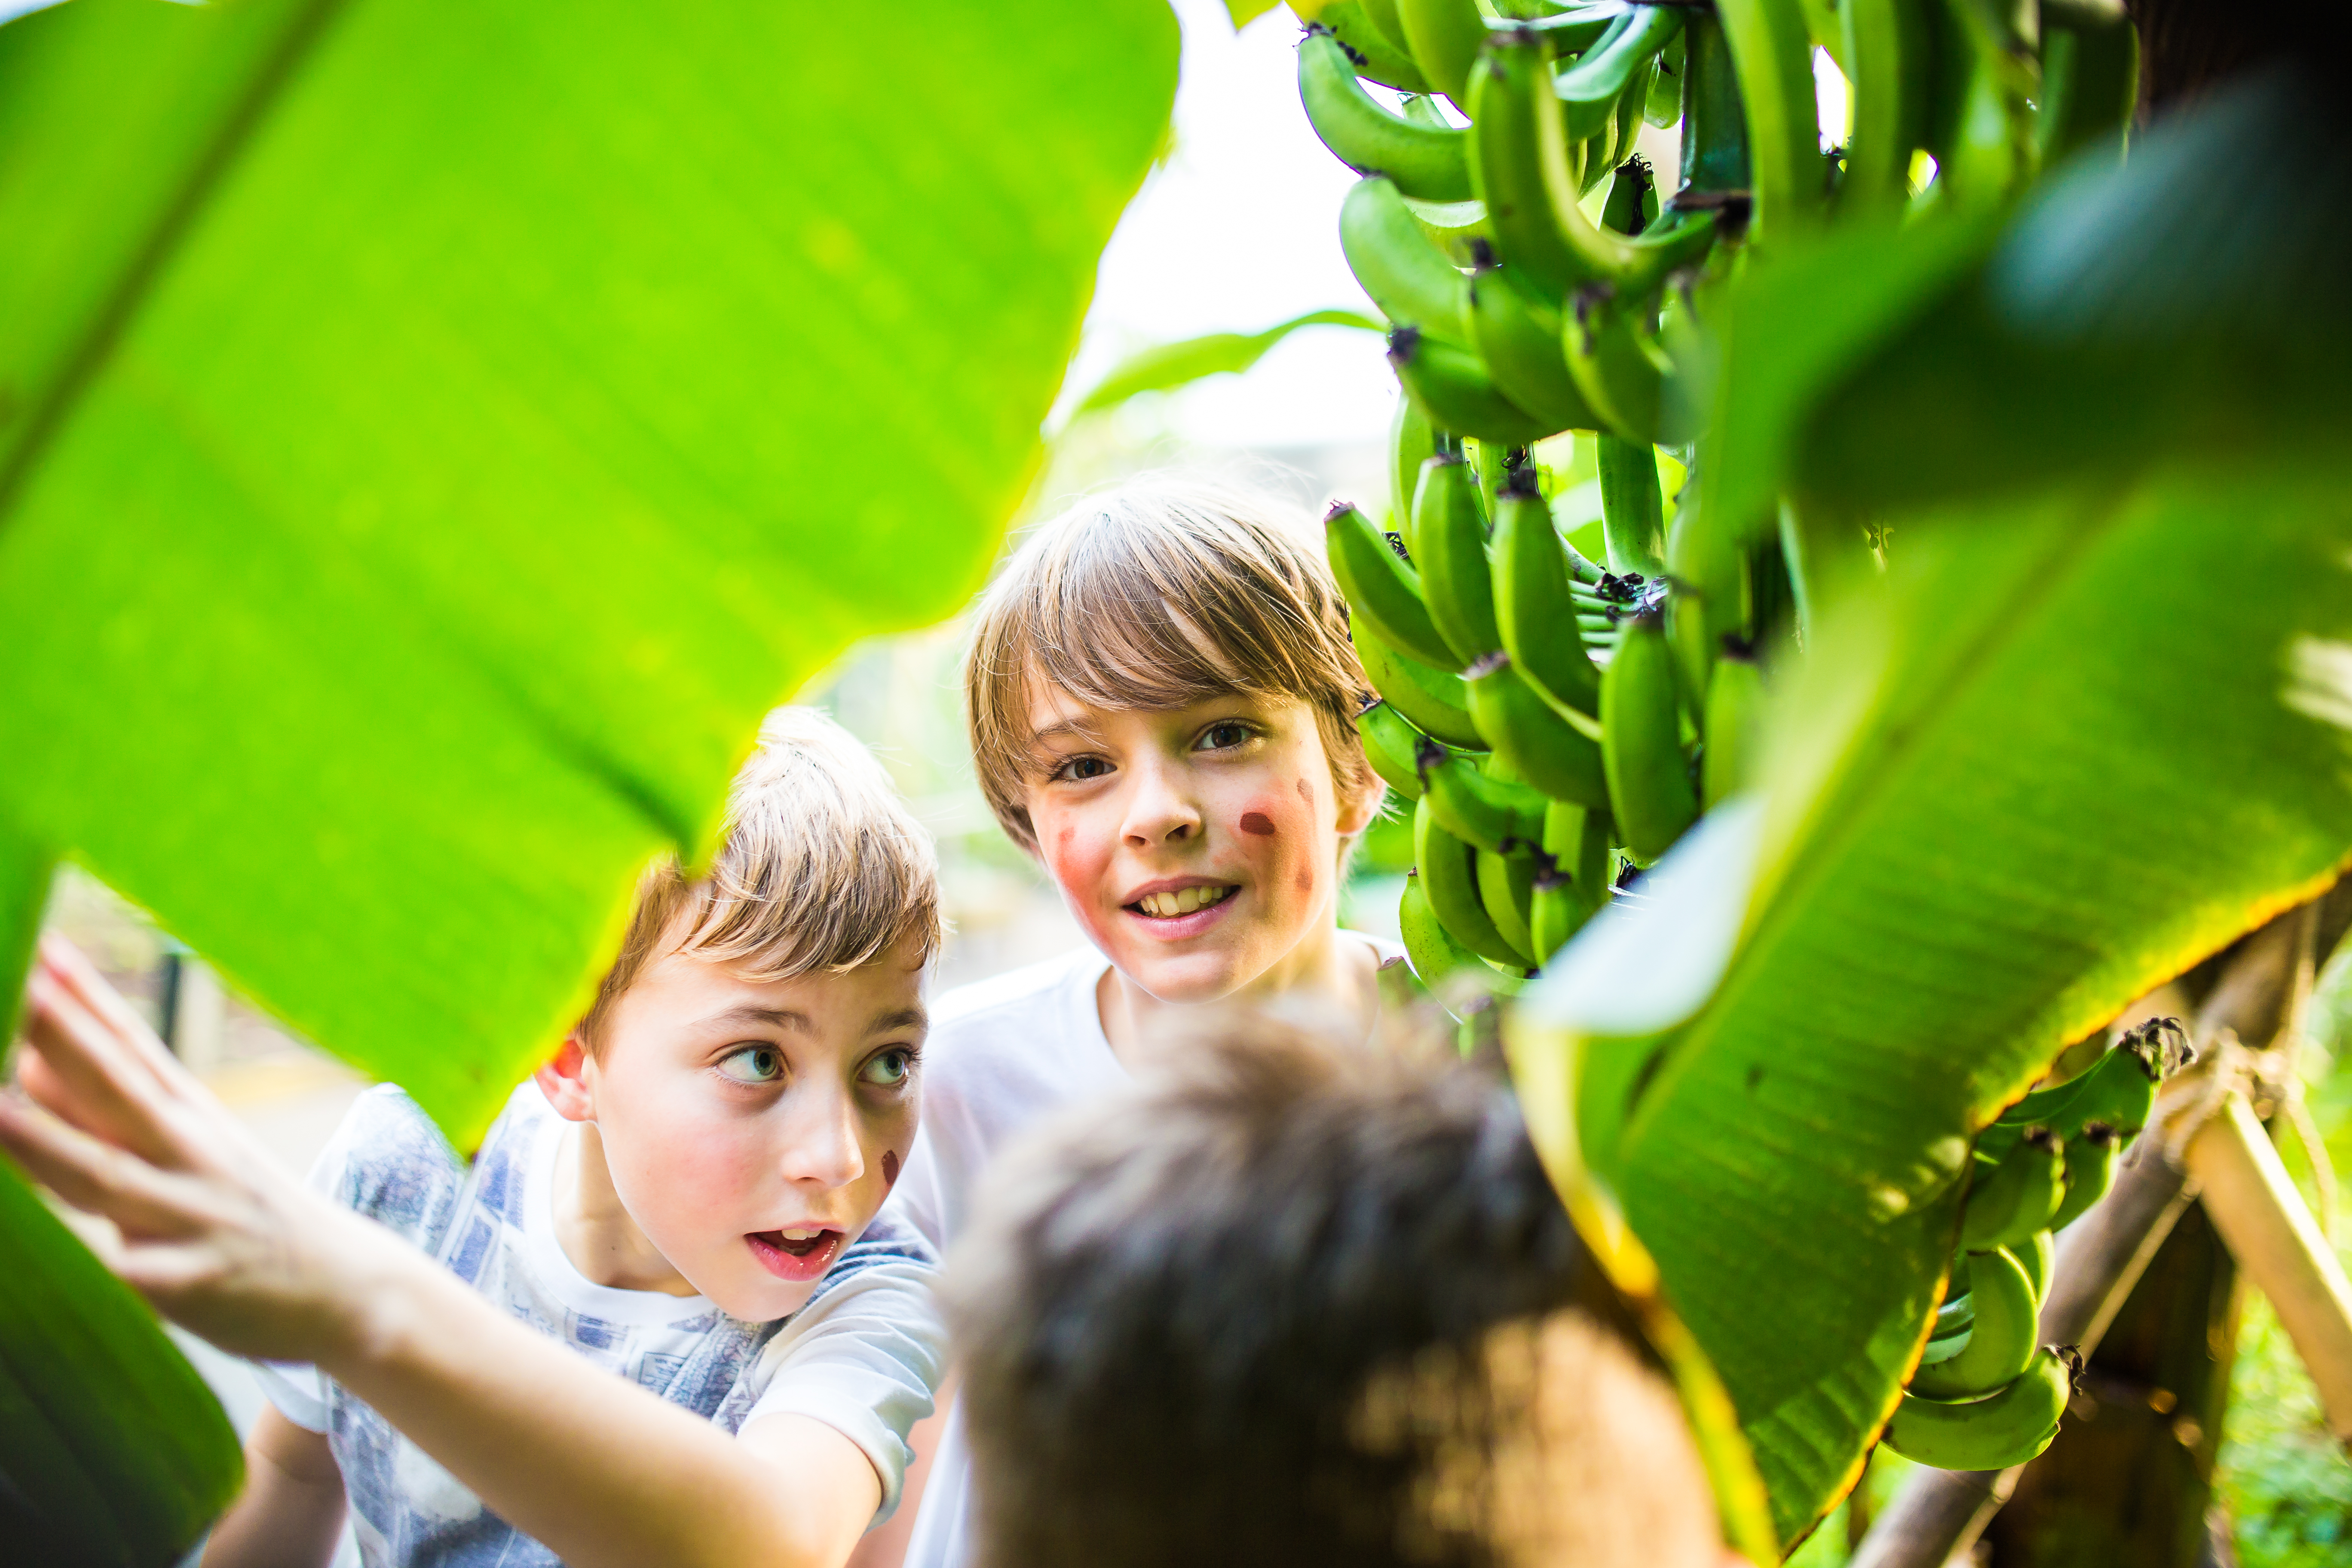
<point x="889" y="1168"/>
<point x="1257" y="824"/>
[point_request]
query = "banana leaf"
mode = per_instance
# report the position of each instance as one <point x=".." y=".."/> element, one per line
<point x="431" y="435"/>
<point x="2106" y="325"/>
<point x="1165" y="366"/>
<point x="2037" y="768"/>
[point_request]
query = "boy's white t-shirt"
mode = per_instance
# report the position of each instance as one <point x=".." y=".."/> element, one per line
<point x="1001" y="1053"/>
<point x="862" y="1356"/>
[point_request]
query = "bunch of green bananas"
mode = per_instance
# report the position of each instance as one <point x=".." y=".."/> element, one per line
<point x="1987" y="1393"/>
<point x="1558" y="723"/>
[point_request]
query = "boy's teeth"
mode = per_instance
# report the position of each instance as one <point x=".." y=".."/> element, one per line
<point x="800" y="1234"/>
<point x="1182" y="902"/>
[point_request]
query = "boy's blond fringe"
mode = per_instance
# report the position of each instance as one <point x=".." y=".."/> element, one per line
<point x="1160" y="593"/>
<point x="823" y="868"/>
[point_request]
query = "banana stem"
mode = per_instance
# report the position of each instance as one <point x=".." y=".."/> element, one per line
<point x="2268" y="1229"/>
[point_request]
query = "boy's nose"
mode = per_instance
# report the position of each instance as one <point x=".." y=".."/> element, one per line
<point x="1157" y="810"/>
<point x="822" y="1146"/>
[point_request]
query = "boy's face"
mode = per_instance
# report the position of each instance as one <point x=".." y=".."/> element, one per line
<point x="752" y="1129"/>
<point x="1197" y="845"/>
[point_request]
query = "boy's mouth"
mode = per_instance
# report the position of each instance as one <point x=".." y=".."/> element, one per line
<point x="798" y="1254"/>
<point x="1177" y="902"/>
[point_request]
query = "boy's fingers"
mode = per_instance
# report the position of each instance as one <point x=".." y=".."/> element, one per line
<point x="91" y="1174"/>
<point x="92" y="1080"/>
<point x="81" y="980"/>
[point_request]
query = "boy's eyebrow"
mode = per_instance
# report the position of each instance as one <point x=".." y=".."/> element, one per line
<point x="898" y="1019"/>
<point x="749" y="1013"/>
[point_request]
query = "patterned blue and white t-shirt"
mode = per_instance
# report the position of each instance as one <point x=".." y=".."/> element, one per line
<point x="863" y="1356"/>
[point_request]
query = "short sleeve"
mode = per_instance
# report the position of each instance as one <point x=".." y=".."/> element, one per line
<point x="864" y="1358"/>
<point x="297" y="1389"/>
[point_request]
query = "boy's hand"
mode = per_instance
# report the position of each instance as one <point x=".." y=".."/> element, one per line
<point x="202" y="1222"/>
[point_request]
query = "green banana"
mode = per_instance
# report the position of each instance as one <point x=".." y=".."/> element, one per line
<point x="1430" y="164"/>
<point x="1518" y="336"/>
<point x="1383" y="592"/>
<point x="1510" y="88"/>
<point x="1450" y="541"/>
<point x="1382" y="14"/>
<point x="1650" y="793"/>
<point x="1444" y="36"/>
<point x="1632" y="515"/>
<point x="1713" y="597"/>
<point x="1887" y="45"/>
<point x="1529" y="737"/>
<point x="1590" y="90"/>
<point x="1378" y="54"/>
<point x="1535" y="608"/>
<point x="1507" y="889"/>
<point x="2001" y="1340"/>
<point x="1433" y="702"/>
<point x="1772" y="55"/>
<point x="2016" y="1195"/>
<point x="1957" y="1312"/>
<point x="1733" y="693"/>
<point x="1449" y="881"/>
<point x="1496" y="814"/>
<point x="1454" y="391"/>
<point x="1662" y="106"/>
<point x="1990" y="1434"/>
<point x="1404" y="272"/>
<point x="2090" y="1170"/>
<point x="2090" y="79"/>
<point x="1618" y="363"/>
<point x="2119" y="1089"/>
<point x="1631" y="265"/>
<point x="1571" y="876"/>
<point x="2039" y="1255"/>
<point x="1389" y="744"/>
<point x="1428" y="945"/>
<point x="1411" y="443"/>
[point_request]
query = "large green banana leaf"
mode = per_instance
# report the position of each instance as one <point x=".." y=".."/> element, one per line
<point x="431" y="433"/>
<point x="2057" y="753"/>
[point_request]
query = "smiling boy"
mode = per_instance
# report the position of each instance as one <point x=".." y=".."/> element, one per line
<point x="651" y="1321"/>
<point x="1162" y="696"/>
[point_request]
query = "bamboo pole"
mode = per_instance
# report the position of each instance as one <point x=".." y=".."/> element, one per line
<point x="2269" y="1229"/>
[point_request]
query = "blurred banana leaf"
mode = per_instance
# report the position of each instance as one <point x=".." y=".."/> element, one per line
<point x="431" y="435"/>
<point x="1164" y="366"/>
<point x="2041" y="765"/>
<point x="2109" y="325"/>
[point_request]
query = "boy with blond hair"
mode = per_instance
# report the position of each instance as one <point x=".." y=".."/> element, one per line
<point x="1162" y="696"/>
<point x="656" y="1318"/>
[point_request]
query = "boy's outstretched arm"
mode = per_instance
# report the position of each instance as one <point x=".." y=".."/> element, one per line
<point x="223" y="1242"/>
<point x="292" y="1504"/>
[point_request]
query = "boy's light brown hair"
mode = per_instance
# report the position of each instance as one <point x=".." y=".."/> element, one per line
<point x="821" y="869"/>
<point x="1160" y="593"/>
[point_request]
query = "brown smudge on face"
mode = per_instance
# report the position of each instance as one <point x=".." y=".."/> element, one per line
<point x="1305" y="878"/>
<point x="1306" y="792"/>
<point x="1257" y="824"/>
<point x="889" y="1168"/>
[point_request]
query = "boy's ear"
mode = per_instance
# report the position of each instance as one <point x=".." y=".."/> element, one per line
<point x="1356" y="815"/>
<point x="563" y="1079"/>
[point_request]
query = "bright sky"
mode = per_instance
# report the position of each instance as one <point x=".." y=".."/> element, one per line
<point x="1238" y="231"/>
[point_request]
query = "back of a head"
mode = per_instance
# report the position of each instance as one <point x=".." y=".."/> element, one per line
<point x="1160" y="593"/>
<point x="1291" y="1303"/>
<point x="821" y="869"/>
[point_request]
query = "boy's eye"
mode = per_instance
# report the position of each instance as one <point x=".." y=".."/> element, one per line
<point x="890" y="1069"/>
<point x="1223" y="735"/>
<point x="753" y="1064"/>
<point x="1083" y="768"/>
